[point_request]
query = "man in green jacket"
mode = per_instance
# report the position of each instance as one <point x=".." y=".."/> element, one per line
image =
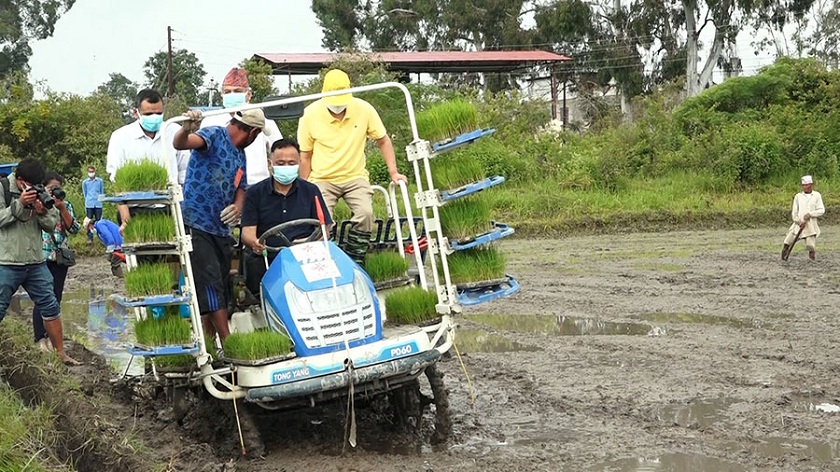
<point x="21" y="255"/>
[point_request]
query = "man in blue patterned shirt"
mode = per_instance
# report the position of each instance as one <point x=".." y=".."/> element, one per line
<point x="214" y="192"/>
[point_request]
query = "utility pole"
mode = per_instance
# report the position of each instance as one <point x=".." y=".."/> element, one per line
<point x="170" y="77"/>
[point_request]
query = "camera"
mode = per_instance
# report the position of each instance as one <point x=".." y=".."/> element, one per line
<point x="43" y="196"/>
<point x="58" y="193"/>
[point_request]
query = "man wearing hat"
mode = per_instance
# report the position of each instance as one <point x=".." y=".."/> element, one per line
<point x="214" y="192"/>
<point x="332" y="134"/>
<point x="236" y="92"/>
<point x="807" y="207"/>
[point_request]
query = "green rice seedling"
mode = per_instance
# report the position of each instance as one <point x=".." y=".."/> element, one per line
<point x="465" y="217"/>
<point x="181" y="360"/>
<point x="149" y="279"/>
<point x="451" y="171"/>
<point x="447" y="119"/>
<point x="166" y="331"/>
<point x="150" y="228"/>
<point x="140" y="176"/>
<point x="476" y="265"/>
<point x="386" y="265"/>
<point x="260" y="344"/>
<point x="410" y="306"/>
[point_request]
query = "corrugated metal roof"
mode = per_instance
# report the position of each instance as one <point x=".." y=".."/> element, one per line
<point x="419" y="62"/>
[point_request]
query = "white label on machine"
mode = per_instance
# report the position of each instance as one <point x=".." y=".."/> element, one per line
<point x="310" y="252"/>
<point x="320" y="270"/>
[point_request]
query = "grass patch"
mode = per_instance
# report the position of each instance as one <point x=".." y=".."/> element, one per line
<point x="465" y="217"/>
<point x="386" y="265"/>
<point x="260" y="344"/>
<point x="447" y="119"/>
<point x="410" y="306"/>
<point x="26" y="435"/>
<point x="166" y="331"/>
<point x="140" y="176"/>
<point x="455" y="170"/>
<point x="476" y="265"/>
<point x="150" y="228"/>
<point x="149" y="279"/>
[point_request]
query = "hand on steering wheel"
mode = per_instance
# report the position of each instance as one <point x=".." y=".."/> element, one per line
<point x="278" y="231"/>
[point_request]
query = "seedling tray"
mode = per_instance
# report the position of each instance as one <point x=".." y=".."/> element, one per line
<point x="171" y="350"/>
<point x="484" y="294"/>
<point x="502" y="231"/>
<point x="461" y="140"/>
<point x="152" y="300"/>
<point x="472" y="188"/>
<point x="157" y="196"/>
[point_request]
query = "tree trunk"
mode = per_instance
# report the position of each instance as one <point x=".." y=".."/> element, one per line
<point x="692" y="87"/>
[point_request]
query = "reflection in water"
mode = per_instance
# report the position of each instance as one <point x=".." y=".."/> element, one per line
<point x="673" y="462"/>
<point x="820" y="451"/>
<point x="700" y="413"/>
<point x="702" y="319"/>
<point x="97" y="322"/>
<point x="476" y="340"/>
<point x="559" y="325"/>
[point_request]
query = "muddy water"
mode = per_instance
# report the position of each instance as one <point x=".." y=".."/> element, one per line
<point x="92" y="318"/>
<point x="688" y="351"/>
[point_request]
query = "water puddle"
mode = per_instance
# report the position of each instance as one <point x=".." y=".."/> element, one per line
<point x="91" y="318"/>
<point x="476" y="340"/>
<point x="703" y="319"/>
<point x="819" y="451"/>
<point x="671" y="462"/>
<point x="559" y="325"/>
<point x="700" y="413"/>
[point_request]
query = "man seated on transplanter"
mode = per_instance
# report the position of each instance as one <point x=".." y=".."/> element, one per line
<point x="281" y="199"/>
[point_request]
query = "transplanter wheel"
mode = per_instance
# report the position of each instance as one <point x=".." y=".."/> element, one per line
<point x="443" y="420"/>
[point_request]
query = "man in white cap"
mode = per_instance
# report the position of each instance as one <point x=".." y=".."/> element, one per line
<point x="332" y="134"/>
<point x="214" y="192"/>
<point x="807" y="207"/>
<point x="236" y="92"/>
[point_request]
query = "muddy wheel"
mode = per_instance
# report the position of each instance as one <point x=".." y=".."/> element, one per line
<point x="443" y="420"/>
<point x="408" y="406"/>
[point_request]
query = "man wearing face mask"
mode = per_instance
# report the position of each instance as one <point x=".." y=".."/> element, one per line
<point x="92" y="188"/>
<point x="236" y="92"/>
<point x="214" y="192"/>
<point x="332" y="135"/>
<point x="278" y="200"/>
<point x="143" y="140"/>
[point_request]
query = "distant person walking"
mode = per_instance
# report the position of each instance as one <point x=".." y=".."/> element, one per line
<point x="92" y="188"/>
<point x="807" y="207"/>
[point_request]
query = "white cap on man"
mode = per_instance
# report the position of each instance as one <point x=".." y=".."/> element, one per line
<point x="807" y="180"/>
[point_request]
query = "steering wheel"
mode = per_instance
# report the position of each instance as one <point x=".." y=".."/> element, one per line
<point x="278" y="231"/>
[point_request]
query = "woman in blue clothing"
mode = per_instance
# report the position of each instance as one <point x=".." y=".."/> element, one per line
<point x="58" y="238"/>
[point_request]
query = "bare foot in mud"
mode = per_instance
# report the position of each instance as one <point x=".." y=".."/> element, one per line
<point x="67" y="360"/>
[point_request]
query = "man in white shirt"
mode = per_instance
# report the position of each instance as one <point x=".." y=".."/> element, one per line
<point x="236" y="92"/>
<point x="143" y="139"/>
<point x="807" y="207"/>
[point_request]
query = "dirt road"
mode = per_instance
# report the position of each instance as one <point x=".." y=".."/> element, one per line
<point x="685" y="351"/>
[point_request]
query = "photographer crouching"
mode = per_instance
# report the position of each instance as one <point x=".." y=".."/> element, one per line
<point x="26" y="209"/>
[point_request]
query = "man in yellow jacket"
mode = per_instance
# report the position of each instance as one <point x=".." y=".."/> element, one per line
<point x="807" y="207"/>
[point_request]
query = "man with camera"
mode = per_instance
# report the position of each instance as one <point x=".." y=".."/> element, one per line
<point x="30" y="210"/>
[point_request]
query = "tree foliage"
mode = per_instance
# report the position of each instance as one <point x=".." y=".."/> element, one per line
<point x="23" y="21"/>
<point x="421" y="25"/>
<point x="187" y="71"/>
<point x="260" y="79"/>
<point x="123" y="91"/>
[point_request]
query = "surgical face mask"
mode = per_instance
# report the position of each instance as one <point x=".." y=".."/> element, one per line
<point x="91" y="174"/>
<point x="151" y="123"/>
<point x="337" y="109"/>
<point x="233" y="99"/>
<point x="285" y="174"/>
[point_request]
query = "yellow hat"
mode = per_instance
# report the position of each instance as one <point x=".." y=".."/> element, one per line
<point x="337" y="79"/>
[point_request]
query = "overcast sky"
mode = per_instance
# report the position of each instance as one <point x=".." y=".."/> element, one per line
<point x="97" y="37"/>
